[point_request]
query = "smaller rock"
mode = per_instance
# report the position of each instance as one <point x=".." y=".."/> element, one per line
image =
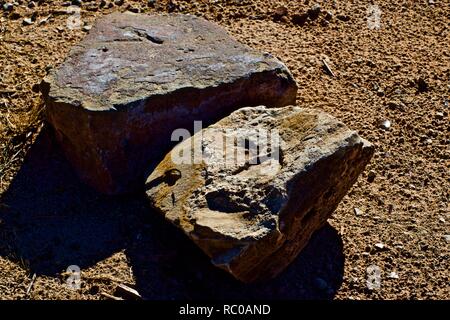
<point x="87" y="28"/>
<point x="279" y="13"/>
<point x="151" y="3"/>
<point x="102" y="4"/>
<point x="357" y="211"/>
<point x="76" y="3"/>
<point x="393" y="275"/>
<point x="439" y="115"/>
<point x="27" y="21"/>
<point x="118" y="2"/>
<point x="8" y="7"/>
<point x="299" y="19"/>
<point x="447" y="237"/>
<point x="31" y="4"/>
<point x="422" y="85"/>
<point x="66" y="4"/>
<point x="314" y="12"/>
<point x="385" y="124"/>
<point x="328" y="15"/>
<point x="442" y="220"/>
<point x="380" y="246"/>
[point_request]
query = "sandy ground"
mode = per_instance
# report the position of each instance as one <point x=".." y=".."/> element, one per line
<point x="395" y="219"/>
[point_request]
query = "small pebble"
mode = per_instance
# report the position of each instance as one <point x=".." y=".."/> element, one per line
<point x="118" y="2"/>
<point x="447" y="237"/>
<point x="357" y="211"/>
<point x="371" y="176"/>
<point x="314" y="12"/>
<point x="385" y="124"/>
<point x="439" y="115"/>
<point x="8" y="6"/>
<point x="393" y="275"/>
<point x="76" y="3"/>
<point x="380" y="246"/>
<point x="86" y="28"/>
<point x="27" y="22"/>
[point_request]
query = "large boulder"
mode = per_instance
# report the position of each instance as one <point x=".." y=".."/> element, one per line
<point x="251" y="189"/>
<point x="135" y="78"/>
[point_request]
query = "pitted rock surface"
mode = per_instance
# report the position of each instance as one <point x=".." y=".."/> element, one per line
<point x="252" y="217"/>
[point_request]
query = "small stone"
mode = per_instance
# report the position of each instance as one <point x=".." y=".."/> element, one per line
<point x="252" y="220"/>
<point x="440" y="115"/>
<point x="385" y="124"/>
<point x="328" y="15"/>
<point x="76" y="3"/>
<point x="314" y="12"/>
<point x="8" y="7"/>
<point x="299" y="19"/>
<point x="422" y="85"/>
<point x="27" y="21"/>
<point x="380" y="246"/>
<point x="86" y="28"/>
<point x="102" y="4"/>
<point x="151" y="3"/>
<point x="393" y="275"/>
<point x="447" y="237"/>
<point x="371" y="176"/>
<point x="428" y="141"/>
<point x="66" y="4"/>
<point x="357" y="211"/>
<point x="31" y="4"/>
<point x="279" y="13"/>
<point x="118" y="2"/>
<point x="343" y="17"/>
<point x="442" y="220"/>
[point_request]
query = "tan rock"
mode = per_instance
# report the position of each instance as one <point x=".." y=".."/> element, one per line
<point x="116" y="99"/>
<point x="250" y="217"/>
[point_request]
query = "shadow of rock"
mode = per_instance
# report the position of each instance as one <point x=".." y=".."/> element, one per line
<point x="49" y="220"/>
<point x="168" y="266"/>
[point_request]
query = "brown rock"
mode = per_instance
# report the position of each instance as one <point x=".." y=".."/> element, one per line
<point x="135" y="78"/>
<point x="254" y="215"/>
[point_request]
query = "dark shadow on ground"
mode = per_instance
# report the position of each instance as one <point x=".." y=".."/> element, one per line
<point x="49" y="220"/>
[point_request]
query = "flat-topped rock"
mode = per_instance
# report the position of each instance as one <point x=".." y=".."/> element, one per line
<point x="263" y="180"/>
<point x="135" y="78"/>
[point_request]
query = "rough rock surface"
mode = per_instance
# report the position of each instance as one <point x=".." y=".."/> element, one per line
<point x="250" y="217"/>
<point x="135" y="78"/>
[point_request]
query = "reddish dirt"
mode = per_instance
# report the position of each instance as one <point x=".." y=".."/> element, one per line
<point x="395" y="217"/>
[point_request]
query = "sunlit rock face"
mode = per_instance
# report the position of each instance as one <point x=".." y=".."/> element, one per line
<point x="251" y="189"/>
<point x="120" y="93"/>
